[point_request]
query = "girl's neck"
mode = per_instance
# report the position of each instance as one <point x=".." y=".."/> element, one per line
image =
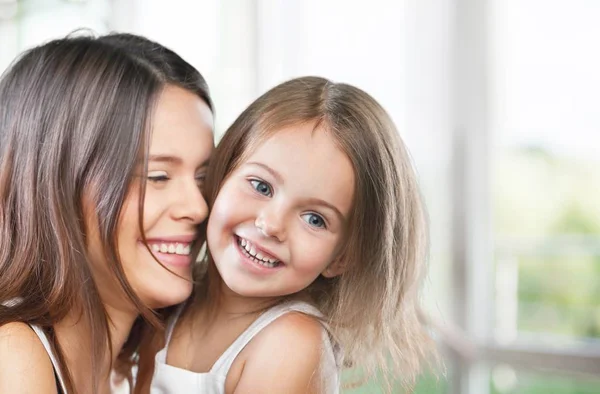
<point x="73" y="335"/>
<point x="217" y="302"/>
<point x="230" y="302"/>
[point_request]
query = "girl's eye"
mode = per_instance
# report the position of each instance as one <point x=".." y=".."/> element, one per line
<point x="157" y="176"/>
<point x="314" y="220"/>
<point x="261" y="187"/>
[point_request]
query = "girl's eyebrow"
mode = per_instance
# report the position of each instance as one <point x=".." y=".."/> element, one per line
<point x="323" y="203"/>
<point x="271" y="171"/>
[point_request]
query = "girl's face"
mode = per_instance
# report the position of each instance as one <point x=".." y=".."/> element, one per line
<point x="280" y="217"/>
<point x="180" y="147"/>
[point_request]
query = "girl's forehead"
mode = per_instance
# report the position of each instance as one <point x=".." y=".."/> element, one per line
<point x="269" y="132"/>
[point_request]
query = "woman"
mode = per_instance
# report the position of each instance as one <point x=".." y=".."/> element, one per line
<point x="104" y="143"/>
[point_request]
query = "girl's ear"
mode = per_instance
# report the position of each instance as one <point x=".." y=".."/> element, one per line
<point x="336" y="268"/>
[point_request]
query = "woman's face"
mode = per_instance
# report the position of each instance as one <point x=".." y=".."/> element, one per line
<point x="181" y="145"/>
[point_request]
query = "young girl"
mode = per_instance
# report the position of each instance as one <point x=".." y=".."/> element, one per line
<point x="104" y="144"/>
<point x="317" y="241"/>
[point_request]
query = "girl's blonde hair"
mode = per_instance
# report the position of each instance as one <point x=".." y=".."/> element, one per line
<point x="372" y="307"/>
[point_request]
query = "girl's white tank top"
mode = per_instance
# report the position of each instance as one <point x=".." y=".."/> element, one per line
<point x="170" y="380"/>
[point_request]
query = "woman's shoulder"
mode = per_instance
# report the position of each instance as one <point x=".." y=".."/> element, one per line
<point x="25" y="366"/>
<point x="18" y="339"/>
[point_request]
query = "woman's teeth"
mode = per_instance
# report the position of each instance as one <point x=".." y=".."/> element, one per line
<point x="172" y="248"/>
<point x="257" y="257"/>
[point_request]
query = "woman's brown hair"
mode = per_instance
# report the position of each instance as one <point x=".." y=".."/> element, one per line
<point x="75" y="117"/>
<point x="371" y="308"/>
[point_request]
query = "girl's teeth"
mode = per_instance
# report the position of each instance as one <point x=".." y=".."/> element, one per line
<point x="155" y="248"/>
<point x="179" y="249"/>
<point x="164" y="248"/>
<point x="257" y="256"/>
<point x="171" y="248"/>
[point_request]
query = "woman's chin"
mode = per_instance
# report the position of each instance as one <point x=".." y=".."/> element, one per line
<point x="171" y="297"/>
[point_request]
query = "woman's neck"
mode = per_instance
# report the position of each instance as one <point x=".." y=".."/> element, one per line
<point x="73" y="335"/>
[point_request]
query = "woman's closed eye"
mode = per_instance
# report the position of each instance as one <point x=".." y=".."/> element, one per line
<point x="261" y="187"/>
<point x="200" y="179"/>
<point x="157" y="176"/>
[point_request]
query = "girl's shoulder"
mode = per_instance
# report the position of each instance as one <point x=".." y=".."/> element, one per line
<point x="25" y="366"/>
<point x="287" y="353"/>
<point x="296" y="324"/>
<point x="295" y="329"/>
